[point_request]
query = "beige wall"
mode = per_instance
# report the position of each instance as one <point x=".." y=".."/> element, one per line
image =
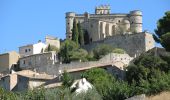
<point x="26" y="50"/>
<point x="52" y="41"/>
<point x="149" y="42"/>
<point x="7" y="60"/>
<point x="4" y="62"/>
<point x="13" y="81"/>
<point x="35" y="83"/>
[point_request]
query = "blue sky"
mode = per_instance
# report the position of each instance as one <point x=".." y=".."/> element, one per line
<point x="27" y="21"/>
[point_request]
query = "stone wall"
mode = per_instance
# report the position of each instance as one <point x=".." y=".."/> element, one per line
<point x="38" y="60"/>
<point x="133" y="44"/>
<point x="52" y="41"/>
<point x="7" y="60"/>
<point x="55" y="69"/>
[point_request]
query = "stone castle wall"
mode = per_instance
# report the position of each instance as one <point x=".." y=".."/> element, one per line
<point x="133" y="44"/>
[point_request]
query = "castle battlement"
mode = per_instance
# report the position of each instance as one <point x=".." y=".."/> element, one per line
<point x="102" y="23"/>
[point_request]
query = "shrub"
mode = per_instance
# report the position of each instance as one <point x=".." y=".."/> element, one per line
<point x="102" y="50"/>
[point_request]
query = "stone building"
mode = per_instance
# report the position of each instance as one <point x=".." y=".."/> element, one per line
<point x="24" y="80"/>
<point x="103" y="24"/>
<point x="52" y="41"/>
<point x="32" y="49"/>
<point x="7" y="60"/>
<point x="39" y="47"/>
<point x="38" y="60"/>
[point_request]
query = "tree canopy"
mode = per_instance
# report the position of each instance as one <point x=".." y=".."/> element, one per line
<point x="51" y="48"/>
<point x="102" y="50"/>
<point x="163" y="31"/>
<point x="70" y="51"/>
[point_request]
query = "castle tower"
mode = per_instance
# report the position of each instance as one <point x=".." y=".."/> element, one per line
<point x="126" y="25"/>
<point x="103" y="9"/>
<point x="136" y="21"/>
<point x="69" y="24"/>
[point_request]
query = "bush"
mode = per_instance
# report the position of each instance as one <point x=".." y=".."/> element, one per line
<point x="107" y="86"/>
<point x="67" y="80"/>
<point x="79" y="54"/>
<point x="118" y="50"/>
<point x="149" y="74"/>
<point x="102" y="50"/>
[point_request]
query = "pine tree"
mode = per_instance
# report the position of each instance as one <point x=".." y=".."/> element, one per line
<point x="75" y="34"/>
<point x="163" y="31"/>
<point x="81" y="35"/>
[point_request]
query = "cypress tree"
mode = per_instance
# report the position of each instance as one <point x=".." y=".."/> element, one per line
<point x="75" y="34"/>
<point x="66" y="53"/>
<point x="81" y="35"/>
<point x="49" y="48"/>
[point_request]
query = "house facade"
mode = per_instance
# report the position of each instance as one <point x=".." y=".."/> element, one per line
<point x="7" y="60"/>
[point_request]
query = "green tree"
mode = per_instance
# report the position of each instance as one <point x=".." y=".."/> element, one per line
<point x="79" y="54"/>
<point x="81" y="35"/>
<point x="75" y="32"/>
<point x="163" y="31"/>
<point x="65" y="53"/>
<point x="118" y="50"/>
<point x="101" y="80"/>
<point x="7" y="95"/>
<point x="67" y="79"/>
<point x="107" y="86"/>
<point x="149" y="73"/>
<point x="67" y="47"/>
<point x="51" y="48"/>
<point x="102" y="50"/>
<point x="136" y="73"/>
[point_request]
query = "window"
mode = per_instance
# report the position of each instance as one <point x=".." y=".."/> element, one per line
<point x="119" y="21"/>
<point x="25" y="50"/>
<point x="29" y="49"/>
<point x="68" y="23"/>
<point x="24" y="62"/>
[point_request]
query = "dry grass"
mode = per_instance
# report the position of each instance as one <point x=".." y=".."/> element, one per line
<point x="161" y="96"/>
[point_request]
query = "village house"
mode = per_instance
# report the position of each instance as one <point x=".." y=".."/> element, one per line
<point x="38" y="60"/>
<point x="7" y="61"/>
<point x="23" y="80"/>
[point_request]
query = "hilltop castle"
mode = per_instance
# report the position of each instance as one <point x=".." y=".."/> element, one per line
<point x="118" y="29"/>
<point x="103" y="23"/>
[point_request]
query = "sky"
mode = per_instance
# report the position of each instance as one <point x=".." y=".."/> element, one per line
<point x="25" y="22"/>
